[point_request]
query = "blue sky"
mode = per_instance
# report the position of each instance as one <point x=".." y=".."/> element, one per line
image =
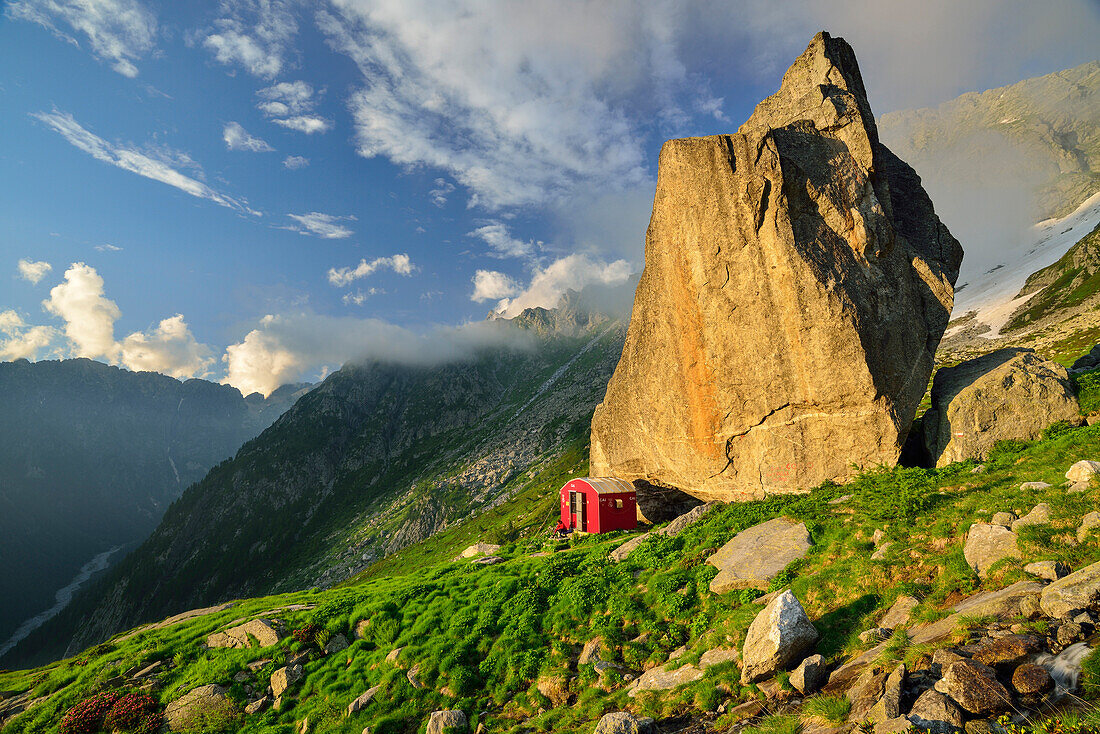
<point x="257" y="191"/>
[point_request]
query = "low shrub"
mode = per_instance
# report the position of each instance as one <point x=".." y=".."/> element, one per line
<point x="134" y="712"/>
<point x="87" y="716"/>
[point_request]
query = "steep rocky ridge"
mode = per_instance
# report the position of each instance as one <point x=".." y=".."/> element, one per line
<point x="92" y="455"/>
<point x="796" y="286"/>
<point x="1072" y="281"/>
<point x="377" y="457"/>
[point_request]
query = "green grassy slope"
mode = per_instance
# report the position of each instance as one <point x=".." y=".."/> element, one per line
<point x="1071" y="281"/>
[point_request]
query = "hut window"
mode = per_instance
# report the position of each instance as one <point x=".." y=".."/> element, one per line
<point x="618" y="504"/>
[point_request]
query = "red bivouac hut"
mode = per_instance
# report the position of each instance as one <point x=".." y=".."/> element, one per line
<point x="598" y="505"/>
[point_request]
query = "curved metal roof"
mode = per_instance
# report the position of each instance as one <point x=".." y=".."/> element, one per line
<point x="607" y="485"/>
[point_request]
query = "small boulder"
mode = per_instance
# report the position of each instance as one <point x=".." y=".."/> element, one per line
<point x="591" y="651"/>
<point x="1034" y="486"/>
<point x="865" y="692"/>
<point x="1006" y="652"/>
<point x="1039" y="515"/>
<point x="1004" y="519"/>
<point x="810" y="675"/>
<point x="753" y="557"/>
<point x="889" y="706"/>
<point x="1030" y="679"/>
<point x="555" y="688"/>
<point x="935" y="712"/>
<point x="449" y="720"/>
<point x="1083" y="471"/>
<point x="413" y="676"/>
<point x="1089" y="523"/>
<point x="258" y="705"/>
<point x="620" y="554"/>
<point x="335" y="644"/>
<point x="779" y="635"/>
<point x="986" y="544"/>
<point x="974" y="687"/>
<point x="1047" y="570"/>
<point x="264" y="631"/>
<point x="1073" y="593"/>
<point x="363" y="699"/>
<point x="899" y="613"/>
<point x="719" y="655"/>
<point x="284" y="677"/>
<point x="659" y="679"/>
<point x="394" y="654"/>
<point x="480" y="549"/>
<point x="678" y="525"/>
<point x="197" y="706"/>
<point x="624" y="722"/>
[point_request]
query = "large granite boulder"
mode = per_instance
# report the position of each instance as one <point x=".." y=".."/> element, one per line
<point x="1069" y="594"/>
<point x="753" y="557"/>
<point x="986" y="544"/>
<point x="1006" y="394"/>
<point x="779" y="636"/>
<point x="796" y="285"/>
<point x="974" y="687"/>
<point x="449" y="720"/>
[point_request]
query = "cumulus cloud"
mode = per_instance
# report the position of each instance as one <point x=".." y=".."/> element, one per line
<point x="287" y="348"/>
<point x="88" y="314"/>
<point x="321" y="225"/>
<point x="400" y="264"/>
<point x="237" y="138"/>
<point x="156" y="165"/>
<point x="294" y="162"/>
<point x="502" y="243"/>
<point x="254" y="34"/>
<point x="20" y="341"/>
<point x="118" y="31"/>
<point x="170" y="349"/>
<point x="491" y="285"/>
<point x="33" y="271"/>
<point x="291" y="105"/>
<point x="571" y="272"/>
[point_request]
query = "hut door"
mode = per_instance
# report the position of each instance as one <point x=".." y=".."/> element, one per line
<point x="576" y="510"/>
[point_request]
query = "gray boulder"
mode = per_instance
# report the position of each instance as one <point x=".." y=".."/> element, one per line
<point x="780" y="635"/>
<point x="1089" y="522"/>
<point x="899" y="613"/>
<point x="1006" y="394"/>
<point x="1039" y="515"/>
<point x="974" y="687"/>
<point x="363" y="699"/>
<point x="659" y="679"/>
<point x="889" y="706"/>
<point x="335" y="644"/>
<point x="935" y="712"/>
<point x="284" y="677"/>
<point x="1047" y="570"/>
<point x="986" y="544"/>
<point x="1073" y="593"/>
<point x="753" y="557"/>
<point x="1083" y="471"/>
<point x="624" y="722"/>
<point x="451" y="719"/>
<point x="810" y="675"/>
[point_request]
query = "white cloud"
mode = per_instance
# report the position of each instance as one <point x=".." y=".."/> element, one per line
<point x="237" y="138"/>
<point x="255" y="34"/>
<point x="154" y="165"/>
<point x="442" y="190"/>
<point x="503" y="244"/>
<point x="118" y="31"/>
<point x="170" y="349"/>
<point x="360" y="297"/>
<point x="20" y="341"/>
<point x="291" y="105"/>
<point x="571" y="272"/>
<point x="307" y="124"/>
<point x="88" y="314"/>
<point x="287" y="348"/>
<point x="107" y="247"/>
<point x="294" y="162"/>
<point x="491" y="285"/>
<point x="322" y="225"/>
<point x="400" y="264"/>
<point x="33" y="271"/>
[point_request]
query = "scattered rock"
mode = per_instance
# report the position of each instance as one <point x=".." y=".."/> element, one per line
<point x="264" y="631"/>
<point x="258" y="705"/>
<point x="865" y="692"/>
<point x="1072" y="593"/>
<point x="591" y="651"/>
<point x="1083" y="471"/>
<point x="1008" y="651"/>
<point x="623" y="722"/>
<point x="488" y="561"/>
<point x="874" y="635"/>
<point x="361" y="628"/>
<point x="753" y="557"/>
<point x="620" y="554"/>
<point x="1004" y="519"/>
<point x="1034" y="485"/>
<point x="1007" y="394"/>
<point x="451" y="719"/>
<point x="394" y="654"/>
<point x="879" y="554"/>
<point x="987" y="544"/>
<point x="889" y="706"/>
<point x="778" y="636"/>
<point x="554" y="687"/>
<point x="1039" y="515"/>
<point x="479" y="549"/>
<point x="678" y="525"/>
<point x="284" y="677"/>
<point x="1048" y="570"/>
<point x="935" y="712"/>
<point x="974" y="687"/>
<point x="413" y="676"/>
<point x="198" y="705"/>
<point x="659" y="679"/>
<point x="899" y="613"/>
<point x="719" y="655"/>
<point x="764" y="356"/>
<point x="810" y="675"/>
<point x="364" y="698"/>
<point x="1030" y="679"/>
<point x="335" y="644"/>
<point x="1088" y="523"/>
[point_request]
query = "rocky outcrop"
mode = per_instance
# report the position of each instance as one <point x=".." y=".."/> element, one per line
<point x="753" y="557"/>
<point x="780" y="635"/>
<point x="797" y="282"/>
<point x="1006" y="394"/>
<point x="659" y="679"/>
<point x="974" y="687"/>
<point x="264" y="631"/>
